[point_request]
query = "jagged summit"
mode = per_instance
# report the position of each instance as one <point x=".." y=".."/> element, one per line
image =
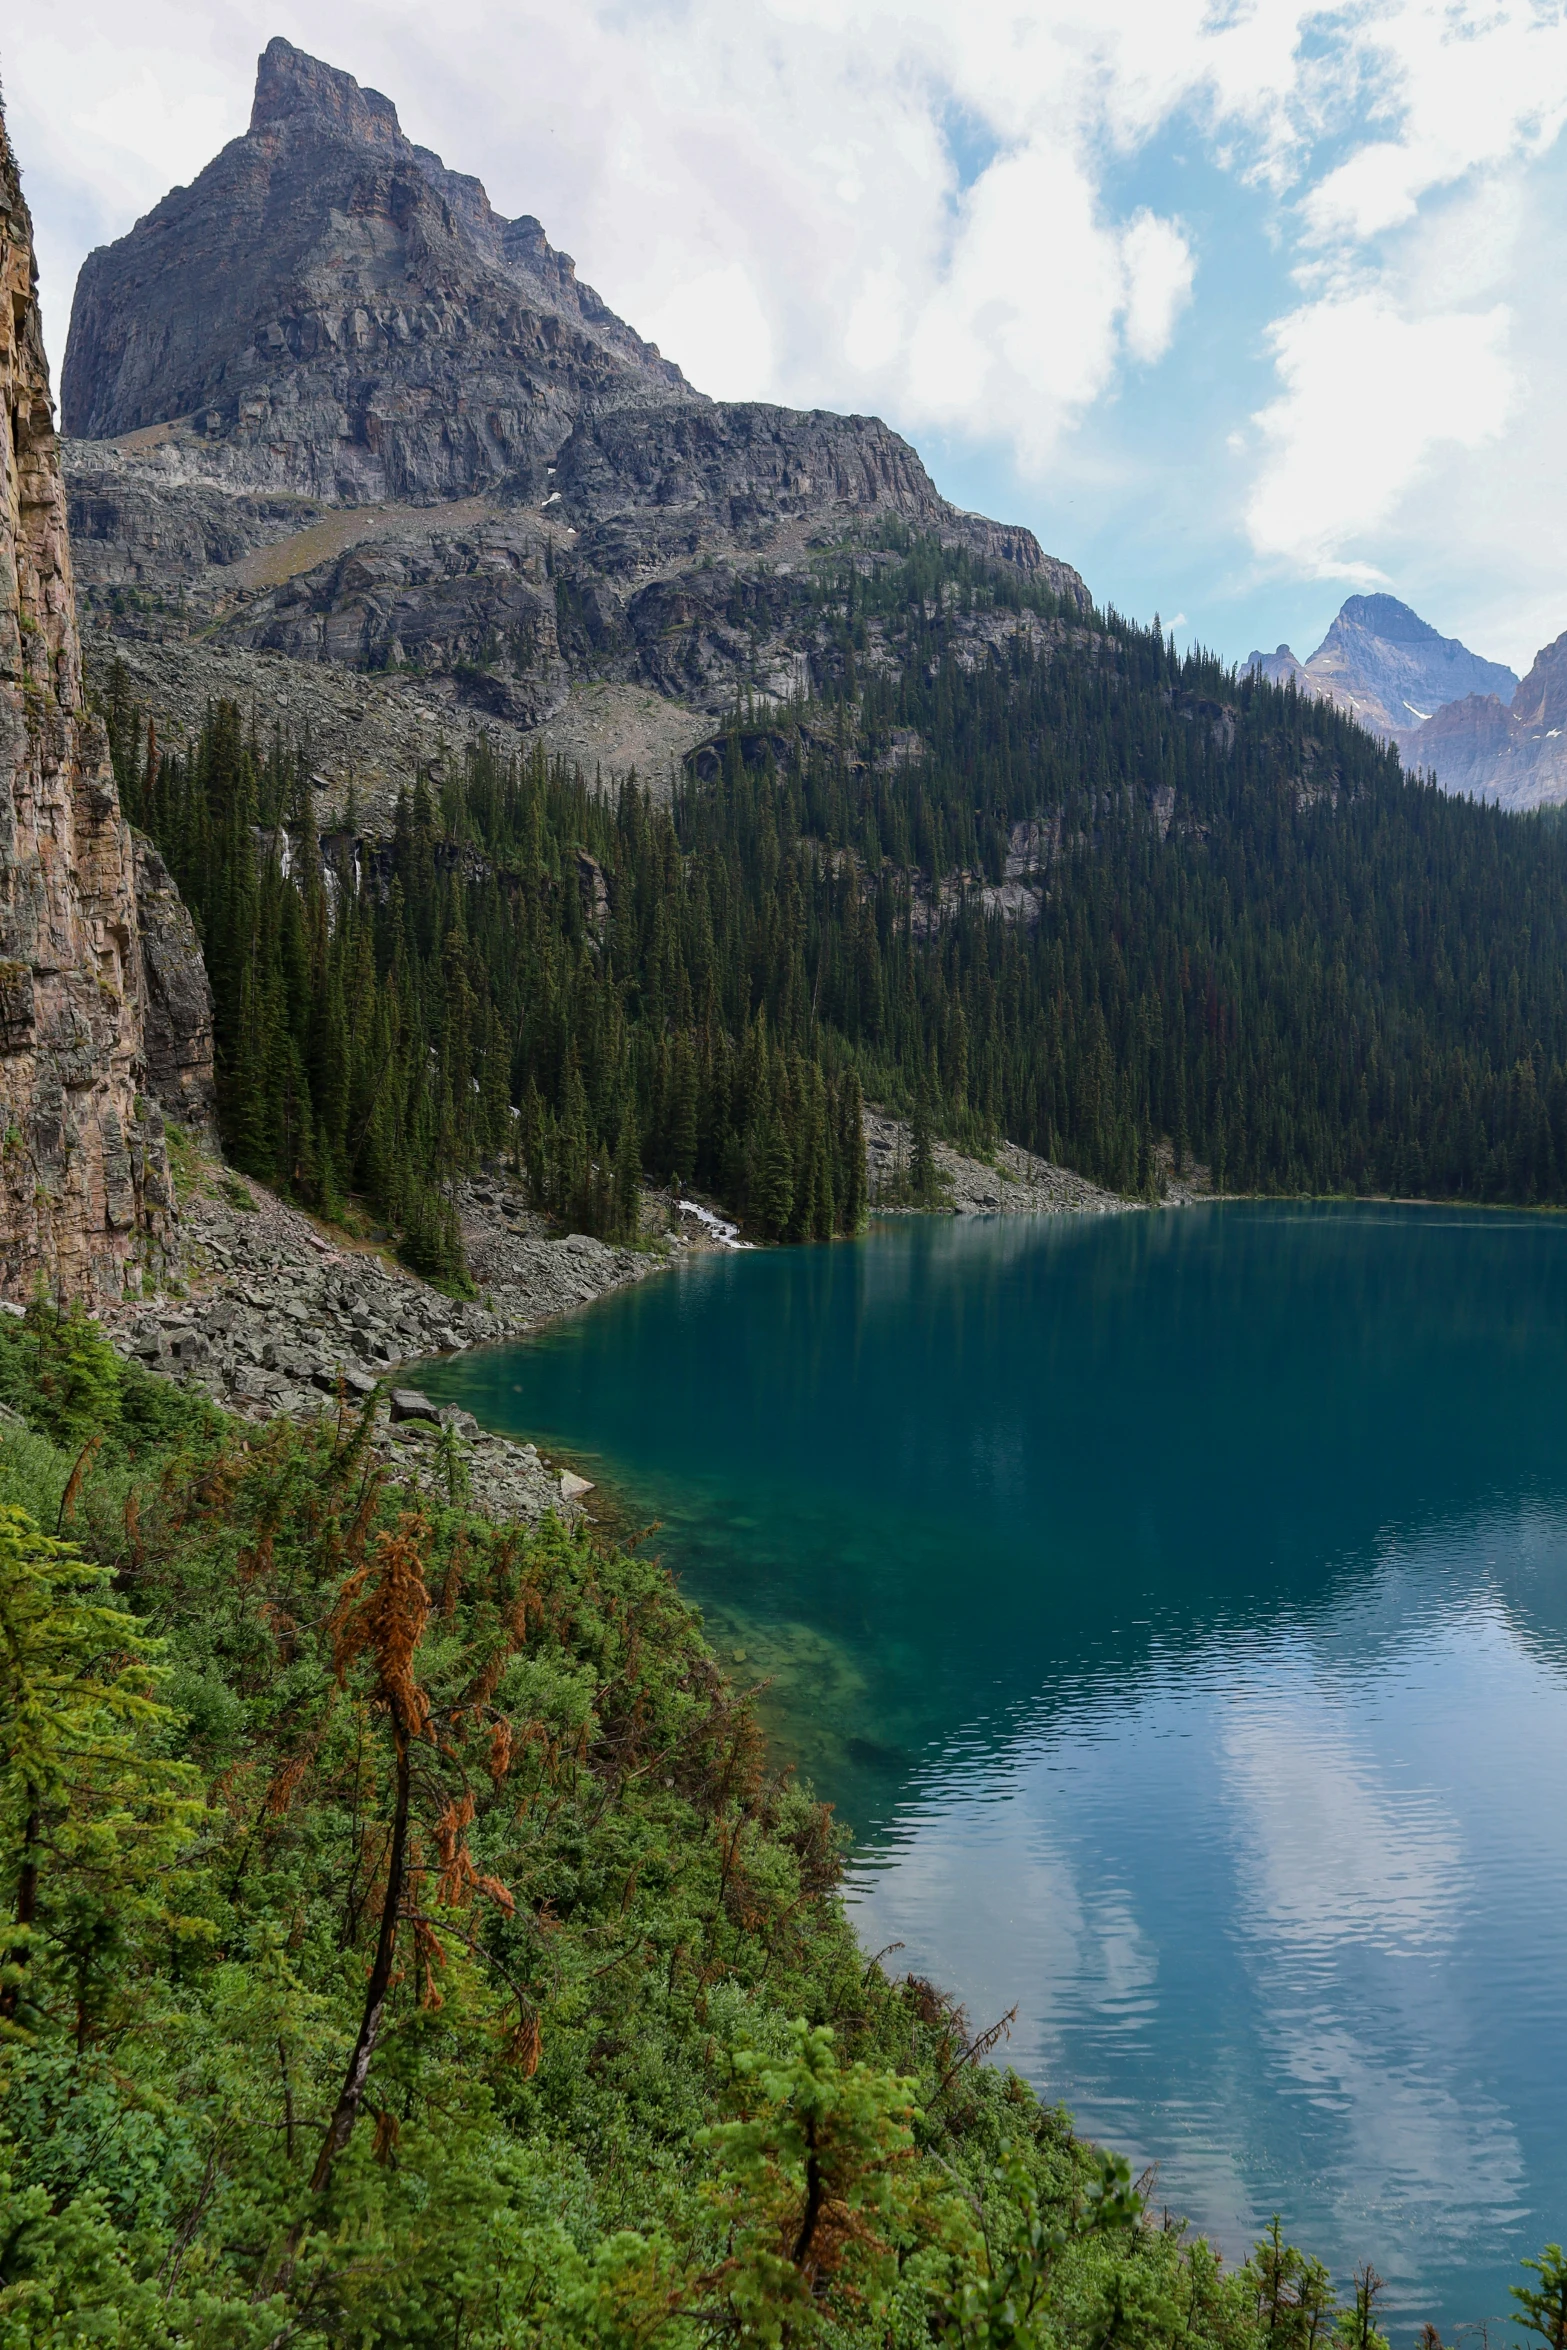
<point x="1385" y="617"/>
<point x="327" y="299"/>
<point x="1394" y="669"/>
<point x="327" y="311"/>
<point x="1388" y="667"/>
<point x="1452" y="714"/>
<point x="332" y="405"/>
<point x="291" y="87"/>
<point x="1515" y="753"/>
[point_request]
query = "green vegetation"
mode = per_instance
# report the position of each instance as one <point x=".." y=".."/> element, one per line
<point x="522" y="970"/>
<point x="404" y="1940"/>
<point x="1255" y="938"/>
<point x="1250" y="939"/>
<point x="406" y="1943"/>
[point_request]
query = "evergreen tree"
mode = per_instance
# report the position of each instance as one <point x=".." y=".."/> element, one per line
<point x="922" y="1156"/>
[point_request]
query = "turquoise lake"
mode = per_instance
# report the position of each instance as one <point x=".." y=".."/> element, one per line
<point x="1175" y="1607"/>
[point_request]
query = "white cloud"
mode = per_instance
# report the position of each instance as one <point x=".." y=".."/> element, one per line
<point x="1024" y="325"/>
<point x="1159" y="267"/>
<point x="717" y="325"/>
<point x="1468" y="86"/>
<point x="1368" y="396"/>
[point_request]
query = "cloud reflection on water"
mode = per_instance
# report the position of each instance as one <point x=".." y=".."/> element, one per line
<point x="1328" y="1809"/>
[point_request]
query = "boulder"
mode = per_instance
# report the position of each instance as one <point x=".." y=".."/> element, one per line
<point x="409" y="1404"/>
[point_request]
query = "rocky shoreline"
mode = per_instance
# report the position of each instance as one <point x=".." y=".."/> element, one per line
<point x="271" y="1313"/>
<point x="1012" y="1182"/>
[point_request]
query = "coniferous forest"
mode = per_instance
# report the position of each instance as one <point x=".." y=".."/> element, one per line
<point x="1240" y="935"/>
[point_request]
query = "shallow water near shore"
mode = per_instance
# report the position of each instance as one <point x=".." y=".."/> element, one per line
<point x="1175" y="1606"/>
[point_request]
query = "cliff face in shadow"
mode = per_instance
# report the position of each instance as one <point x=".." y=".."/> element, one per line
<point x="83" y="1170"/>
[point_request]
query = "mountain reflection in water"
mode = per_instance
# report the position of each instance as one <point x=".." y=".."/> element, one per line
<point x="1176" y="1607"/>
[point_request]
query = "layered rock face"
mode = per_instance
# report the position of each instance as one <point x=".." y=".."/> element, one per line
<point x="1393" y="668"/>
<point x="335" y="407"/>
<point x="83" y="1168"/>
<point x="343" y="315"/>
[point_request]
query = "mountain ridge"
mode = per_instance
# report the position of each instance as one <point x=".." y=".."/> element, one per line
<point x="1379" y="661"/>
<point x="319" y="240"/>
<point x="330" y="321"/>
<point x="1514" y="753"/>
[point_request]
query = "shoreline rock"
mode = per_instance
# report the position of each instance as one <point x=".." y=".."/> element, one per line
<point x="275" y="1315"/>
<point x="1014" y="1182"/>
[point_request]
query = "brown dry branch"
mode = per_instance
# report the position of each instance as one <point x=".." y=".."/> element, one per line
<point x="452" y="1580"/>
<point x="131" y="1518"/>
<point x="976" y="2050"/>
<point x="381" y="1614"/>
<point x="73" y="1483"/>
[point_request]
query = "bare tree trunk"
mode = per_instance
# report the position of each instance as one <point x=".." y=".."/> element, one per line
<point x="341" y="2127"/>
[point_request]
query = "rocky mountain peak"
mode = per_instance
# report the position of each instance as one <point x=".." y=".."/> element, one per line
<point x="1394" y="670"/>
<point x="292" y="88"/>
<point x="334" y="313"/>
<point x="359" y="419"/>
<point x="1389" y="668"/>
<point x="1541" y="700"/>
<point x="1385" y="617"/>
<point x="1453" y="716"/>
<point x="1278" y="668"/>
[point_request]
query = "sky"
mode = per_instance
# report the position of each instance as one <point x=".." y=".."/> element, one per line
<point x="1243" y="306"/>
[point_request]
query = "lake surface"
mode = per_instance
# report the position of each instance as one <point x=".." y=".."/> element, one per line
<point x="1176" y="1607"/>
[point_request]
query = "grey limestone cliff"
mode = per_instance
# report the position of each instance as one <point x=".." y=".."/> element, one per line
<point x="1452" y="715"/>
<point x="83" y="1169"/>
<point x="343" y="316"/>
<point x="1394" y="670"/>
<point x="1387" y="667"/>
<point x="1513" y="752"/>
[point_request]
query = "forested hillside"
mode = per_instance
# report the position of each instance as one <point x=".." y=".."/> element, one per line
<point x="1024" y="872"/>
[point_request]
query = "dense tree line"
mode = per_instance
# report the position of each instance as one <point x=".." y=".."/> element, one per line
<point x="1255" y="939"/>
<point x="522" y="969"/>
<point x="1236" y="933"/>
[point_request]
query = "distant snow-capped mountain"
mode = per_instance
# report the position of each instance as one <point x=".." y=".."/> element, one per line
<point x="1453" y="715"/>
<point x="1389" y="667"/>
